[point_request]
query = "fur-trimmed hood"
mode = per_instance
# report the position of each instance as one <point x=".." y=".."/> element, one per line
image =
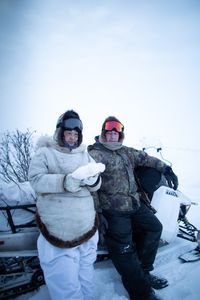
<point x="45" y="141"/>
<point x="50" y="142"/>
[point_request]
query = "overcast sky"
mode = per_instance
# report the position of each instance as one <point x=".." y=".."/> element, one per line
<point x="137" y="60"/>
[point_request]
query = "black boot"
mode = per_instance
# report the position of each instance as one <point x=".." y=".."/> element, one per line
<point x="155" y="281"/>
<point x="147" y="296"/>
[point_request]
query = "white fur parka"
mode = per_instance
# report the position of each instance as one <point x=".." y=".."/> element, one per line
<point x="65" y="219"/>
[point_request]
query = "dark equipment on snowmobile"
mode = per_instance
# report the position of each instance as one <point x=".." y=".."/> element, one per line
<point x="149" y="180"/>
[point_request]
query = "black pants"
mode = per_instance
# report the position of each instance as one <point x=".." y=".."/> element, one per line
<point x="132" y="239"/>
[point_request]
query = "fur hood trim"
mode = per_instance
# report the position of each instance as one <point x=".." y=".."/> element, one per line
<point x="66" y="244"/>
<point x="45" y="141"/>
<point x="49" y="142"/>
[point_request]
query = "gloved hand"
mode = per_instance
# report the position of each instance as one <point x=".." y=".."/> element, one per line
<point x="90" y="180"/>
<point x="171" y="178"/>
<point x="71" y="184"/>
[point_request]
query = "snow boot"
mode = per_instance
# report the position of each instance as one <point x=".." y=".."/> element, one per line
<point x="156" y="282"/>
<point x="150" y="295"/>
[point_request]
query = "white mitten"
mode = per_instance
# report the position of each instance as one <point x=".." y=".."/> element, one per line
<point x="90" y="180"/>
<point x="72" y="184"/>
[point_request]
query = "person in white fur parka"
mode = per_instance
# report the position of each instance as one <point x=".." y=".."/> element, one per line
<point x="63" y="174"/>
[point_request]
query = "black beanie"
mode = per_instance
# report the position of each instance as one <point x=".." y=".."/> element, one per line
<point x="61" y="126"/>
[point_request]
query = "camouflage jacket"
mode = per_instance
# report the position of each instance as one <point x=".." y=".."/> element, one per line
<point x="119" y="189"/>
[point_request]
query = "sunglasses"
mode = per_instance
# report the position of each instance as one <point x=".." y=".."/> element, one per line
<point x="110" y="125"/>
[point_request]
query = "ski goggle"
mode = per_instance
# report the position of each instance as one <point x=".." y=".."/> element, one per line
<point x="110" y="125"/>
<point x="72" y="123"/>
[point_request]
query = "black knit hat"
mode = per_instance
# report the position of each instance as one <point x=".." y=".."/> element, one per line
<point x="112" y="119"/>
<point x="68" y="121"/>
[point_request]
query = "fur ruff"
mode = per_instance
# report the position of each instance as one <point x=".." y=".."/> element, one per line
<point x="49" y="142"/>
<point x="66" y="244"/>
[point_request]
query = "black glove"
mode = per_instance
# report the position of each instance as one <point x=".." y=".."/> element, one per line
<point x="171" y="178"/>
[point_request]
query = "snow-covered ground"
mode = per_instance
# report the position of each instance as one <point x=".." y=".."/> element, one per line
<point x="183" y="277"/>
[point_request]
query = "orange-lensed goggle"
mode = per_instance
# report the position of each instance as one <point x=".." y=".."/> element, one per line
<point x="114" y="125"/>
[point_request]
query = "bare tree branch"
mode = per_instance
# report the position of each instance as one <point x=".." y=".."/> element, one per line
<point x="16" y="149"/>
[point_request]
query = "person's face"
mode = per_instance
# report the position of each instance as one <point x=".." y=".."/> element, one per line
<point x="71" y="137"/>
<point x="112" y="136"/>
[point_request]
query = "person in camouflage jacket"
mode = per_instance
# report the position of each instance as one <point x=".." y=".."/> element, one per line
<point x="125" y="212"/>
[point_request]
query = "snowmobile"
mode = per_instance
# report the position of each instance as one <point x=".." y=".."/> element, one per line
<point x="170" y="206"/>
<point x="20" y="271"/>
<point x="157" y="191"/>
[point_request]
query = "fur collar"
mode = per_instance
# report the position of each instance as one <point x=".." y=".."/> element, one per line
<point x="49" y="142"/>
<point x="66" y="244"/>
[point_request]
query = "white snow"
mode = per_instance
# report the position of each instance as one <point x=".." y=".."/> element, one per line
<point x="89" y="170"/>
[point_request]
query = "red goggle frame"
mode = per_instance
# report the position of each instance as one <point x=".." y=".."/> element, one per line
<point x="110" y="125"/>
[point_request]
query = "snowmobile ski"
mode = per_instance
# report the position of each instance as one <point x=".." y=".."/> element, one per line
<point x="191" y="256"/>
